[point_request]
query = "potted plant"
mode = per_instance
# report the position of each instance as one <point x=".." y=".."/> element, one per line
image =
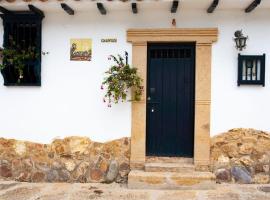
<point x="121" y="78"/>
<point x="14" y="58"/>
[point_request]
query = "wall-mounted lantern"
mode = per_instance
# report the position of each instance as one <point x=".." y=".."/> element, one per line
<point x="240" y="40"/>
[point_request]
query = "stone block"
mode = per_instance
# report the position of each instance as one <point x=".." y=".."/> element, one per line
<point x="241" y="175"/>
<point x="261" y="178"/>
<point x="138" y="179"/>
<point x="223" y="175"/>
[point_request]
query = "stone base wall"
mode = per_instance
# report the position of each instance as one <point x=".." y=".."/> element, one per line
<point x="241" y="155"/>
<point x="73" y="159"/>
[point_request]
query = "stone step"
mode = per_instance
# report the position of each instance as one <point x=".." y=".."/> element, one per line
<point x="169" y="167"/>
<point x="138" y="179"/>
<point x="155" y="159"/>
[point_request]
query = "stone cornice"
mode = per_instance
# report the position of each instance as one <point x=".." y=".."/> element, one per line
<point x="200" y="35"/>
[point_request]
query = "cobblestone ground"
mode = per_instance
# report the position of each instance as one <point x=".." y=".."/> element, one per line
<point x="67" y="191"/>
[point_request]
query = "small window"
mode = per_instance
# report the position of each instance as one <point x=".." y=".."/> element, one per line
<point x="23" y="30"/>
<point x="251" y="69"/>
<point x="170" y="53"/>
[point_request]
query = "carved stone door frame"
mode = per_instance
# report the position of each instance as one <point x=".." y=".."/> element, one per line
<point x="203" y="37"/>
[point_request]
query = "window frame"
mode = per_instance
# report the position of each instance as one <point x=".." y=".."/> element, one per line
<point x="24" y="17"/>
<point x="260" y="58"/>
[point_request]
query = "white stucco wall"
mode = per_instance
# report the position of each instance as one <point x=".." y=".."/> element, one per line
<point x="69" y="102"/>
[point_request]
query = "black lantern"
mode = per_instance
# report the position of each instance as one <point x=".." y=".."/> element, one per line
<point x="240" y="40"/>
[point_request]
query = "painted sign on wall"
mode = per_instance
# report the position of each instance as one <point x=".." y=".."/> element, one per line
<point x="81" y="49"/>
<point x="109" y="40"/>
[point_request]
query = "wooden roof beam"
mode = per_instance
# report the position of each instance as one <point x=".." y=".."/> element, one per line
<point x="213" y="6"/>
<point x="134" y="8"/>
<point x="174" y="6"/>
<point x="101" y="8"/>
<point x="36" y="10"/>
<point x="68" y="9"/>
<point x="252" y="6"/>
<point x="4" y="10"/>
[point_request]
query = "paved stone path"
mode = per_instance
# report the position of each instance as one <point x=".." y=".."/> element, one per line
<point x="66" y="191"/>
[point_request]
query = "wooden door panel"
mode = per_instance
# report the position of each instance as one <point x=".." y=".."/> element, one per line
<point x="170" y="100"/>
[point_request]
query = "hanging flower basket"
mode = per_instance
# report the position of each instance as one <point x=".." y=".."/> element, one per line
<point x="119" y="80"/>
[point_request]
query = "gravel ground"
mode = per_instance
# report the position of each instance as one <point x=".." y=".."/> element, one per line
<point x="10" y="190"/>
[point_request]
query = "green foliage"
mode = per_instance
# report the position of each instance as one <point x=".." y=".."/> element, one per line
<point x="121" y="78"/>
<point x="16" y="56"/>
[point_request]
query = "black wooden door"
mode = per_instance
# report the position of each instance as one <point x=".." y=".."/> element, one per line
<point x="170" y="100"/>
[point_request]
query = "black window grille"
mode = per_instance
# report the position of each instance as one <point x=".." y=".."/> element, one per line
<point x="24" y="29"/>
<point x="251" y="69"/>
<point x="170" y="53"/>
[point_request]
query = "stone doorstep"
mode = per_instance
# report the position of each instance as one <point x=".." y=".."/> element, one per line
<point x="171" y="180"/>
<point x="156" y="159"/>
<point x="169" y="167"/>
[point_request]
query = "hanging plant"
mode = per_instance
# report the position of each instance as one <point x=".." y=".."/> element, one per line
<point x="121" y="78"/>
<point x="15" y="56"/>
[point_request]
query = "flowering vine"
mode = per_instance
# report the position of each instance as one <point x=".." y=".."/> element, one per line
<point x="121" y="77"/>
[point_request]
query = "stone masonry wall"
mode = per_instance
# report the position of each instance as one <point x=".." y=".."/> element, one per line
<point x="241" y="155"/>
<point x="73" y="159"/>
